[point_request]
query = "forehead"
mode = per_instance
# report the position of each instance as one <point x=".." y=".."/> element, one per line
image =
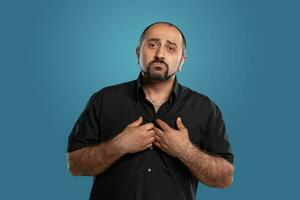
<point x="164" y="32"/>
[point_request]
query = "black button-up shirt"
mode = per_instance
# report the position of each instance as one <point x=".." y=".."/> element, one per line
<point x="150" y="174"/>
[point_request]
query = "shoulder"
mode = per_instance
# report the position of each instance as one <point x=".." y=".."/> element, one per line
<point x="114" y="91"/>
<point x="199" y="98"/>
<point x="120" y="87"/>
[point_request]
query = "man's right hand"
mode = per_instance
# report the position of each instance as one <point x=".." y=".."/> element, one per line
<point x="136" y="137"/>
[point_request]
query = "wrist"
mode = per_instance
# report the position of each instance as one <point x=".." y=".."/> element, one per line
<point x="186" y="151"/>
<point x="117" y="145"/>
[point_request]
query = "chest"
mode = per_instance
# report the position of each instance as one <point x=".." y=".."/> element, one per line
<point x="118" y="113"/>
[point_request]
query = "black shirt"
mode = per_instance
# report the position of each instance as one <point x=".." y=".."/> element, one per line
<point x="150" y="174"/>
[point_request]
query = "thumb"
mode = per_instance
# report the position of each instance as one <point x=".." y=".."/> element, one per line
<point x="180" y="124"/>
<point x="138" y="122"/>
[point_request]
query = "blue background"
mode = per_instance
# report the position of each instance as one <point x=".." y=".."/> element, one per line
<point x="55" y="54"/>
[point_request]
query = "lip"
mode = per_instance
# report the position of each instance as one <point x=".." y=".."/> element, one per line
<point x="158" y="63"/>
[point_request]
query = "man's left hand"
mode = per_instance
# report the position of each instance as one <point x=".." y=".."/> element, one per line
<point x="173" y="142"/>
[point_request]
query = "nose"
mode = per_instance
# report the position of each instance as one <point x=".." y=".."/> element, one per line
<point x="160" y="53"/>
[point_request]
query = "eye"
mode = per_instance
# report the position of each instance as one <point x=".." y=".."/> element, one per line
<point x="152" y="45"/>
<point x="171" y="49"/>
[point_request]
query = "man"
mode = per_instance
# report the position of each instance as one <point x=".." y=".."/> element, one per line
<point x="151" y="138"/>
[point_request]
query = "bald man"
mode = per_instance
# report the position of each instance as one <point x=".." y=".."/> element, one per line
<point x="151" y="138"/>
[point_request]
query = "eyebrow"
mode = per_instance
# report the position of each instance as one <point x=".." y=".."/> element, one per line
<point x="157" y="39"/>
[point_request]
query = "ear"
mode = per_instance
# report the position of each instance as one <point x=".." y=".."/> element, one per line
<point x="137" y="51"/>
<point x="183" y="59"/>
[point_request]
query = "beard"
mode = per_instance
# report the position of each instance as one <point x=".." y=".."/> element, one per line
<point x="157" y="70"/>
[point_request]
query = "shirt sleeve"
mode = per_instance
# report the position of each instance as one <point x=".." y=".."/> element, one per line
<point x="218" y="142"/>
<point x="86" y="129"/>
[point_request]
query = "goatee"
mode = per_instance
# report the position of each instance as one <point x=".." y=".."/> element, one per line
<point x="158" y="73"/>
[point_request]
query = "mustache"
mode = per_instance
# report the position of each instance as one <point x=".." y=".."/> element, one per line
<point x="158" y="61"/>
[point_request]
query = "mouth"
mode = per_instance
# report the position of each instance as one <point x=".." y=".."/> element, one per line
<point x="158" y="64"/>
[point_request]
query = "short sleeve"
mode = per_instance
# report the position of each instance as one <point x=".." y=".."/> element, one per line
<point x="86" y="129"/>
<point x="218" y="142"/>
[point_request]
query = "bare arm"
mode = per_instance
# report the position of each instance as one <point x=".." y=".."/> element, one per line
<point x="210" y="170"/>
<point x="91" y="161"/>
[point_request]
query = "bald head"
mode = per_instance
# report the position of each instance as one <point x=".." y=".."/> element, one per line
<point x="144" y="33"/>
<point x="161" y="52"/>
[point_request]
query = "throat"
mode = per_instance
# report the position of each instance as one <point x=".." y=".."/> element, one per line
<point x="156" y="108"/>
<point x="156" y="103"/>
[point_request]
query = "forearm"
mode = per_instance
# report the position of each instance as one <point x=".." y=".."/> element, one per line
<point x="210" y="170"/>
<point x="91" y="161"/>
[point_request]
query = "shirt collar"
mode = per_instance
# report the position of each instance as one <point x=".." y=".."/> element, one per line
<point x="174" y="93"/>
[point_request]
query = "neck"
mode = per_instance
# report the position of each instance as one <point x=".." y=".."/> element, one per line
<point x="158" y="90"/>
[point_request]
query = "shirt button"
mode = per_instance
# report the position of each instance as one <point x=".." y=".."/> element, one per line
<point x="149" y="169"/>
<point x="151" y="147"/>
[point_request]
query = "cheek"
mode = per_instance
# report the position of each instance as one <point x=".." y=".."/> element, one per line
<point x="143" y="59"/>
<point x="146" y="58"/>
<point x="175" y="62"/>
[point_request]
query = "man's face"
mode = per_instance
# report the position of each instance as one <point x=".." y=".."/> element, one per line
<point x="160" y="53"/>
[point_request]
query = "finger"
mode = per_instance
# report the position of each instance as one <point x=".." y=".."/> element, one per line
<point x="151" y="140"/>
<point x="157" y="144"/>
<point x="147" y="126"/>
<point x="163" y="125"/>
<point x="149" y="145"/>
<point x="151" y="133"/>
<point x="180" y="124"/>
<point x="138" y="122"/>
<point x="158" y="139"/>
<point x="158" y="131"/>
